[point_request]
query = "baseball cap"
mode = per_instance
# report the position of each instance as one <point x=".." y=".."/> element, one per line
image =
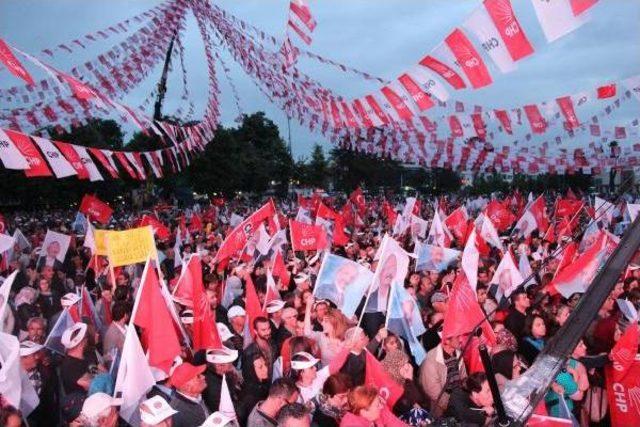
<point x="185" y="372"/>
<point x="97" y="403"/>
<point x="221" y="355"/>
<point x="236" y="311"/>
<point x="224" y="331"/>
<point x="186" y="316"/>
<point x="303" y="360"/>
<point x="73" y="335"/>
<point x="27" y="348"/>
<point x="69" y="299"/>
<point x="301" y="278"/>
<point x="217" y="419"/>
<point x="274" y="306"/>
<point x="155" y="410"/>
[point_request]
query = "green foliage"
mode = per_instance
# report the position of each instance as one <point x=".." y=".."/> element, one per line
<point x="249" y="158"/>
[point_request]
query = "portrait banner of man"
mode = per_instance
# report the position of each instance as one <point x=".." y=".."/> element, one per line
<point x="506" y="278"/>
<point x="343" y="282"/>
<point x="393" y="266"/>
<point x="404" y="319"/>
<point x="436" y="258"/>
<point x="54" y="249"/>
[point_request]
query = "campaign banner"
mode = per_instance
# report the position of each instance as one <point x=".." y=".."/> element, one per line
<point x="130" y="246"/>
<point x="343" y="282"/>
<point x="436" y="258"/>
<point x="624" y="395"/>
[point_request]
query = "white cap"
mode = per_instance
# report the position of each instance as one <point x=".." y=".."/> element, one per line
<point x="274" y="306"/>
<point x="221" y="355"/>
<point x="224" y="332"/>
<point x="306" y="361"/>
<point x="186" y="316"/>
<point x="236" y="311"/>
<point x="301" y="278"/>
<point x="155" y="410"/>
<point x="217" y="419"/>
<point x="95" y="404"/>
<point x="69" y="299"/>
<point x="73" y="335"/>
<point x="27" y="348"/>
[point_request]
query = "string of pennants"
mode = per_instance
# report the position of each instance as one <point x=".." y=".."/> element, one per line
<point x="389" y="122"/>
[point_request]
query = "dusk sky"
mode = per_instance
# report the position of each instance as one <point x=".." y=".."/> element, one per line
<point x="383" y="38"/>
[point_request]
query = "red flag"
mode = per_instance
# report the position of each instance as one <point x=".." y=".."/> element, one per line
<point x="444" y="71"/>
<point x="625" y="350"/>
<point x="623" y="396"/>
<point x="500" y="216"/>
<point x="457" y="224"/>
<point x="469" y="59"/>
<point x="620" y="132"/>
<point x="13" y="65"/>
<point x="340" y="238"/>
<point x="37" y="164"/>
<point x="478" y="125"/>
<point x="205" y="331"/>
<point x="376" y="375"/>
<point x="577" y="276"/>
<point x="568" y="207"/>
<point x="159" y="229"/>
<point x="237" y="238"/>
<point x="568" y="254"/>
<point x="507" y="24"/>
<point x="397" y="103"/>
<point x="503" y="116"/>
<point x="536" y="121"/>
<point x="566" y="107"/>
<point x="280" y="269"/>
<point x="196" y="223"/>
<point x="420" y="97"/>
<point x="307" y="237"/>
<point x="95" y="209"/>
<point x="389" y="213"/>
<point x="537" y="209"/>
<point x="326" y="212"/>
<point x="102" y="158"/>
<point x="462" y="299"/>
<point x="579" y="6"/>
<point x="357" y="198"/>
<point x="74" y="159"/>
<point x="607" y="91"/>
<point x="159" y="334"/>
<point x="252" y="303"/>
<point x="456" y="127"/>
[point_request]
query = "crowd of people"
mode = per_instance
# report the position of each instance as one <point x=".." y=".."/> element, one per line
<point x="302" y="361"/>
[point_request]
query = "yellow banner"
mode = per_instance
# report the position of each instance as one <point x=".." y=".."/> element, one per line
<point x="100" y="237"/>
<point x="131" y="246"/>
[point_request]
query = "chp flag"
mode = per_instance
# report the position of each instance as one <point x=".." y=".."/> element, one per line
<point x="95" y="209"/>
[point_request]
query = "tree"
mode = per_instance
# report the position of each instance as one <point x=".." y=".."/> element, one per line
<point x="317" y="171"/>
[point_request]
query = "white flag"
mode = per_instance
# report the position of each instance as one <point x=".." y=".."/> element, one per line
<point x="94" y="174"/>
<point x="59" y="164"/>
<point x="481" y="26"/>
<point x="5" y="288"/>
<point x="11" y="157"/>
<point x="226" y="404"/>
<point x="556" y="18"/>
<point x="134" y="378"/>
<point x="6" y="242"/>
<point x="137" y="165"/>
<point x="10" y="383"/>
<point x="507" y="277"/>
<point x="21" y="240"/>
<point x="470" y="259"/>
<point x="489" y="233"/>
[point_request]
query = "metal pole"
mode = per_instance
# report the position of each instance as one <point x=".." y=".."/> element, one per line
<point x="289" y="134"/>
<point x="162" y="84"/>
<point x="503" y="420"/>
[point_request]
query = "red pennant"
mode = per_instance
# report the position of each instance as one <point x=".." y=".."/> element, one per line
<point x="95" y="209"/>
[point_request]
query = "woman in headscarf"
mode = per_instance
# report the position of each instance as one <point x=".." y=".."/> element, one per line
<point x="411" y="404"/>
<point x="255" y="386"/>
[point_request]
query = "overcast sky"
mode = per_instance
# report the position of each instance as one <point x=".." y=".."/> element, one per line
<point x="382" y="37"/>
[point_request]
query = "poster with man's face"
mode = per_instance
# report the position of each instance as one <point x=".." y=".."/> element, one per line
<point x="507" y="277"/>
<point x="435" y="258"/>
<point x="55" y="246"/>
<point x="343" y="282"/>
<point x="392" y="268"/>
